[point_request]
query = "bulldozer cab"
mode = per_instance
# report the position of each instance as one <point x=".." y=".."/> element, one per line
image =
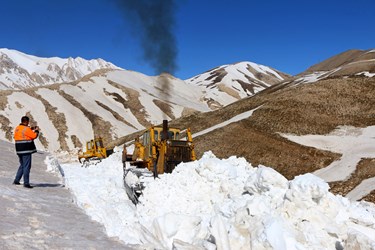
<point x="98" y="146"/>
<point x="95" y="151"/>
<point x="95" y="147"/>
<point x="160" y="149"/>
<point x="173" y="133"/>
<point x="154" y="135"/>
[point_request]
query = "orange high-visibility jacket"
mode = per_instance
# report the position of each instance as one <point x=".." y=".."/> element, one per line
<point x="24" y="137"/>
<point x="23" y="132"/>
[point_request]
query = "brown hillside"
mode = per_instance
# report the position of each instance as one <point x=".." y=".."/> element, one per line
<point x="348" y="63"/>
<point x="305" y="109"/>
<point x="336" y="61"/>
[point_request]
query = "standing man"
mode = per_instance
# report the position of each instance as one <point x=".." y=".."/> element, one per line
<point x="24" y="141"/>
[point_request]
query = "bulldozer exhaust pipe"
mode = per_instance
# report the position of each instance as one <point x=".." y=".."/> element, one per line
<point x="165" y="130"/>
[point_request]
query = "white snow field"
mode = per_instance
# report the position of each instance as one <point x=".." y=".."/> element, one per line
<point x="353" y="143"/>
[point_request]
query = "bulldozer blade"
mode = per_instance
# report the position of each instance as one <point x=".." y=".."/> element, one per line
<point x="131" y="194"/>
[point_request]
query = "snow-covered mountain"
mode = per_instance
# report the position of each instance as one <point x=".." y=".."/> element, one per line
<point x="111" y="102"/>
<point x="229" y="83"/>
<point x="20" y="71"/>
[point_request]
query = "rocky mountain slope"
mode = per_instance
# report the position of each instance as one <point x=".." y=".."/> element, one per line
<point x="348" y="63"/>
<point x="20" y="71"/>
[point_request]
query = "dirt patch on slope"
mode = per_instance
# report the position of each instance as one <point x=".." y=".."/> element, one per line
<point x="115" y="114"/>
<point x="76" y="142"/>
<point x="288" y="158"/>
<point x="4" y="98"/>
<point x="216" y="76"/>
<point x="57" y="118"/>
<point x="365" y="170"/>
<point x="164" y="107"/>
<point x="133" y="103"/>
<point x="370" y="197"/>
<point x="271" y="79"/>
<point x="100" y="127"/>
<point x="223" y="88"/>
<point x="43" y="140"/>
<point x="5" y="126"/>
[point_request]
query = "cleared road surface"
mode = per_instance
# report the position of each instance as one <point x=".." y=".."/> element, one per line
<point x="46" y="216"/>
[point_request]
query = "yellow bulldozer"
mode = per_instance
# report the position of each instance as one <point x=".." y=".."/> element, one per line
<point x="157" y="151"/>
<point x="95" y="152"/>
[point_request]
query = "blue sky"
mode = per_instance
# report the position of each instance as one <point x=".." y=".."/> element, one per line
<point x="289" y="36"/>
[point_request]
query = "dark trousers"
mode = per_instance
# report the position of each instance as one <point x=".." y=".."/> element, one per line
<point x="24" y="169"/>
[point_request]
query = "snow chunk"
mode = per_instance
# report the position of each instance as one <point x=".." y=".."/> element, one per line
<point x="265" y="180"/>
<point x="307" y="187"/>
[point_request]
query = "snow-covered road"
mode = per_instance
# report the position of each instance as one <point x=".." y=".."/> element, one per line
<point x="45" y="217"/>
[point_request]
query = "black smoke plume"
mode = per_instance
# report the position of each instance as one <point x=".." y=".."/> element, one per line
<point x="153" y="21"/>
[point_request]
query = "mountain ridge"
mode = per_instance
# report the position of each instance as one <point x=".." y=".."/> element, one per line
<point x="347" y="63"/>
<point x="344" y="58"/>
<point x="237" y="80"/>
<point x="19" y="70"/>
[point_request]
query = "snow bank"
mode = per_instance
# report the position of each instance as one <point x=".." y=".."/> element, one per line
<point x="222" y="204"/>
